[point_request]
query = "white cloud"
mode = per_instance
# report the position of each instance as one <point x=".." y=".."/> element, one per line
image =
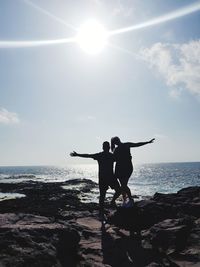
<point x="178" y="64"/>
<point x="7" y="117"/>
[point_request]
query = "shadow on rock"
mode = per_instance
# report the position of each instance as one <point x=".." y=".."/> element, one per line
<point x="127" y="251"/>
<point x="67" y="248"/>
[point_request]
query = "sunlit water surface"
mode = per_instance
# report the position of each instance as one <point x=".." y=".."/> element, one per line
<point x="145" y="180"/>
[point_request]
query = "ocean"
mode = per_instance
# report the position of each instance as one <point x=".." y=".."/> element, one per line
<point x="146" y="179"/>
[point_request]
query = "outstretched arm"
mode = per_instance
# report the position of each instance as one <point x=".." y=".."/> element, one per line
<point x="74" y="154"/>
<point x="140" y="143"/>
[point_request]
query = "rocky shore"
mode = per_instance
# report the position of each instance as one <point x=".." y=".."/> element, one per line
<point x="53" y="226"/>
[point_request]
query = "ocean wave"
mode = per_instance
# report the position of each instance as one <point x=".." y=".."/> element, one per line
<point x="7" y="196"/>
<point x="21" y="176"/>
<point x="144" y="184"/>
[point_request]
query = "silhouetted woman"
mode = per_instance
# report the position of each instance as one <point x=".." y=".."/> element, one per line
<point x="123" y="158"/>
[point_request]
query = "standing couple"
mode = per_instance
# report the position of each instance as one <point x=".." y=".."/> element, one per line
<point x="123" y="168"/>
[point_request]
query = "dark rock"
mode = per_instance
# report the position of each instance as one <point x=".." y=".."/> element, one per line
<point x="67" y="247"/>
<point x="143" y="215"/>
<point x="51" y="226"/>
<point x="30" y="240"/>
<point x="171" y="235"/>
<point x="48" y="199"/>
<point x="186" y="201"/>
<point x="171" y="226"/>
<point x="191" y="208"/>
<point x="192" y="250"/>
<point x="190" y="192"/>
<point x="154" y="264"/>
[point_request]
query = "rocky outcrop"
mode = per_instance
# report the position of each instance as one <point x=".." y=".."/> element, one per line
<point x="40" y="229"/>
<point x="47" y="199"/>
<point x="30" y="240"/>
<point x="168" y="224"/>
<point x="52" y="226"/>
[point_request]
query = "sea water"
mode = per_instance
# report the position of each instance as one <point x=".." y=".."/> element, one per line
<point x="146" y="179"/>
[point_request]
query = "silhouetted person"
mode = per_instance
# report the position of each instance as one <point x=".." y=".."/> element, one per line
<point x="106" y="176"/>
<point x="124" y="166"/>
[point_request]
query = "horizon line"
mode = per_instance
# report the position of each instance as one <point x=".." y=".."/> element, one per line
<point x="61" y="165"/>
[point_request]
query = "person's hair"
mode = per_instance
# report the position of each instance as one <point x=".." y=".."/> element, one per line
<point x="114" y="140"/>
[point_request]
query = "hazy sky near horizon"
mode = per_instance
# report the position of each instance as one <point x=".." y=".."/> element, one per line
<point x="144" y="84"/>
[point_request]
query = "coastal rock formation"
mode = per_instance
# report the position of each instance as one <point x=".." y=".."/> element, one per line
<point x="56" y="224"/>
<point x="31" y="240"/>
<point x="168" y="223"/>
<point x="37" y="230"/>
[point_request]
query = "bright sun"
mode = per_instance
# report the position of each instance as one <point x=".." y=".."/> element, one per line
<point x="92" y="37"/>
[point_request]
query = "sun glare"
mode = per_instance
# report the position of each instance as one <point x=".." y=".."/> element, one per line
<point x="92" y="37"/>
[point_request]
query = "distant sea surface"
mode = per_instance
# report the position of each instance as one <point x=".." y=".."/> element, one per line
<point x="145" y="180"/>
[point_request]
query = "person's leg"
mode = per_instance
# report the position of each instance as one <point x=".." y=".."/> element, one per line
<point x="125" y="189"/>
<point x="102" y="196"/>
<point x="116" y="184"/>
<point x="124" y="195"/>
<point x="117" y="188"/>
<point x="116" y="195"/>
<point x="128" y="192"/>
<point x="126" y="178"/>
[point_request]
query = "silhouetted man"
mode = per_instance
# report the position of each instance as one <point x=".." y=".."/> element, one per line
<point x="105" y="161"/>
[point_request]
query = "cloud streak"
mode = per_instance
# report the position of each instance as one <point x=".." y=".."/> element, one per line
<point x="7" y="117"/>
<point x="178" y="64"/>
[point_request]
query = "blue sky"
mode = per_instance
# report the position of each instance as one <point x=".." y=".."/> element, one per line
<point x="145" y="84"/>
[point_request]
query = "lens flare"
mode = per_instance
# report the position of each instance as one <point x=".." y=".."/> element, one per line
<point x="50" y="15"/>
<point x="92" y="37"/>
<point x="22" y="44"/>
<point x="161" y="19"/>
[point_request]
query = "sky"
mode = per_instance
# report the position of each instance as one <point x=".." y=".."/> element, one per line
<point x="57" y="98"/>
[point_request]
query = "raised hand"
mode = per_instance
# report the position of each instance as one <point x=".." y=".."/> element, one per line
<point x="73" y="154"/>
<point x="152" y="140"/>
